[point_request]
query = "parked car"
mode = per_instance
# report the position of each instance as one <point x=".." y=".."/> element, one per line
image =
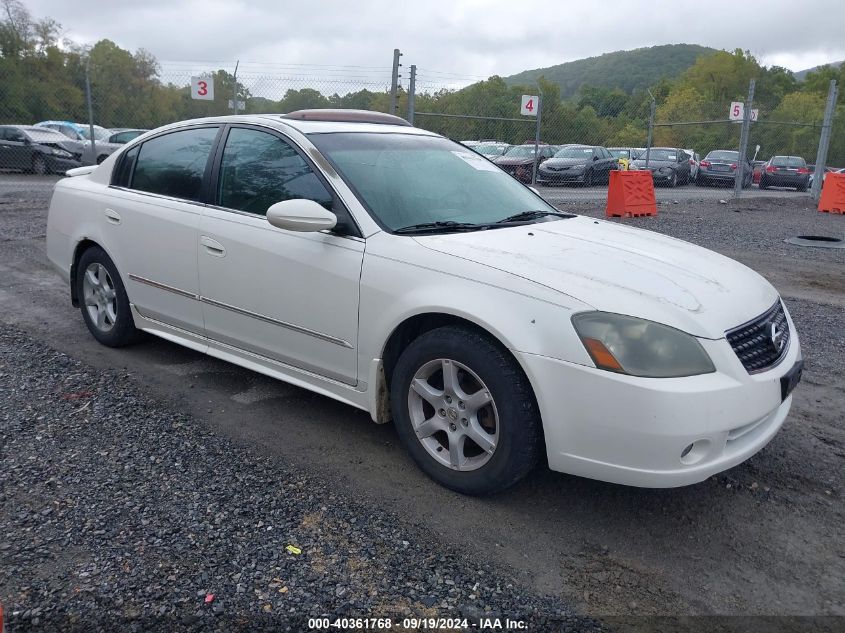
<point x="668" y="165"/>
<point x="37" y="150"/>
<point x="491" y="150"/>
<point x="719" y="167"/>
<point x="694" y="159"/>
<point x="757" y="168"/>
<point x="120" y="136"/>
<point x="518" y="161"/>
<point x="827" y="170"/>
<point x="395" y="271"/>
<point x="584" y="164"/>
<point x="785" y="171"/>
<point x="623" y="155"/>
<point x="82" y="132"/>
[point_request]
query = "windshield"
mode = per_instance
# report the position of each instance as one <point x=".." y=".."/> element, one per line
<point x="619" y="153"/>
<point x="406" y="179"/>
<point x="583" y="153"/>
<point x="521" y="151"/>
<point x="788" y="161"/>
<point x="721" y="154"/>
<point x="660" y="154"/>
<point x="490" y="150"/>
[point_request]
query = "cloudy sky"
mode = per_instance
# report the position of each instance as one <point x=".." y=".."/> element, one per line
<point x="448" y="39"/>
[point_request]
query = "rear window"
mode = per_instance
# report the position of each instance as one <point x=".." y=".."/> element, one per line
<point x="721" y="154"/>
<point x="789" y="161"/>
<point x="174" y="164"/>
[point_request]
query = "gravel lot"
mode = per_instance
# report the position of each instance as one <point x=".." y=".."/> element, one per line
<point x="98" y="519"/>
<point x="118" y="510"/>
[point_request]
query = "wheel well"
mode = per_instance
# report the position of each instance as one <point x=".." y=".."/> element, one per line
<point x="83" y="246"/>
<point x="416" y="326"/>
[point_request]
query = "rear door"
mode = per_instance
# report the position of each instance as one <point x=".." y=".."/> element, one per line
<point x="153" y="223"/>
<point x="287" y="296"/>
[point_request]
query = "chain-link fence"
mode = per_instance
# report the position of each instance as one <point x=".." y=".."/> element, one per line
<point x="530" y="131"/>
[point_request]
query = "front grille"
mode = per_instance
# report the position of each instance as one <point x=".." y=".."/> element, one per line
<point x="762" y="342"/>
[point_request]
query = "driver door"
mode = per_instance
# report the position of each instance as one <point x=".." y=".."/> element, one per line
<point x="285" y="296"/>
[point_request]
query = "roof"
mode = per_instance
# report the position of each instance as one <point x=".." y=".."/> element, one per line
<point x="308" y="127"/>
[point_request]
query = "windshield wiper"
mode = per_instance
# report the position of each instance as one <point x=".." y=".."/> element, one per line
<point x="436" y="227"/>
<point x="531" y="215"/>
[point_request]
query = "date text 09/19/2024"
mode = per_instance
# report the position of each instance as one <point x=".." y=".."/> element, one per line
<point x="415" y="624"/>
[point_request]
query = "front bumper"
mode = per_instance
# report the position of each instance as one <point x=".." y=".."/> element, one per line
<point x="560" y="177"/>
<point x="634" y="431"/>
<point x="61" y="164"/>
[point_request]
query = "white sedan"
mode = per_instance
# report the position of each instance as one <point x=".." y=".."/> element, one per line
<point x="394" y="270"/>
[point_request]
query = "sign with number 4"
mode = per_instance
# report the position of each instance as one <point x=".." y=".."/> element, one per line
<point x="529" y="105"/>
<point x="202" y="88"/>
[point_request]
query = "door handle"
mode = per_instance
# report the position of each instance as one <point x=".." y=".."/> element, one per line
<point x="213" y="247"/>
<point x="113" y="217"/>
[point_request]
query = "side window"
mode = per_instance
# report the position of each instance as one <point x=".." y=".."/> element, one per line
<point x="122" y="176"/>
<point x="259" y="169"/>
<point x="174" y="164"/>
<point x="67" y="131"/>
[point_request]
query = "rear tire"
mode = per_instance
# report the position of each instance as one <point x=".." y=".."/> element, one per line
<point x="488" y="397"/>
<point x="699" y="182"/>
<point x="673" y="181"/>
<point x="103" y="300"/>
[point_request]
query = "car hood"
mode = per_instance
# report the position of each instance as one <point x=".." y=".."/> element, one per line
<point x="507" y="160"/>
<point x="620" y="269"/>
<point x="74" y="147"/>
<point x="565" y="162"/>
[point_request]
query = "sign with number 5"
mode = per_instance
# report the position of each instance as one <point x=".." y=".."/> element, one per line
<point x="529" y="105"/>
<point x="202" y="88"/>
<point x="737" y="111"/>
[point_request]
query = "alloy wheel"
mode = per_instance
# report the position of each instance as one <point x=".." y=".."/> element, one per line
<point x="453" y="414"/>
<point x="99" y="296"/>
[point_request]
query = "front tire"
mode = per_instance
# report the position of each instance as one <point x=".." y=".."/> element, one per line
<point x="39" y="165"/>
<point x="673" y="181"/>
<point x="103" y="299"/>
<point x="465" y="411"/>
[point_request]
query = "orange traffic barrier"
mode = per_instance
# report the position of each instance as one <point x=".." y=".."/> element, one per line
<point x="832" y="199"/>
<point x="630" y="194"/>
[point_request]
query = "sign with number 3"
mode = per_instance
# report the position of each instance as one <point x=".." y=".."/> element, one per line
<point x="202" y="88"/>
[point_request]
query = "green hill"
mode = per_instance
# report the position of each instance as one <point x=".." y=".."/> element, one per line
<point x="799" y="75"/>
<point x="628" y="70"/>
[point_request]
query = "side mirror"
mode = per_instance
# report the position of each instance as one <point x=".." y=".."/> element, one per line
<point x="305" y="216"/>
<point x="595" y="157"/>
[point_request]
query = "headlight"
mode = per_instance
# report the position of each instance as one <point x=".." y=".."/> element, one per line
<point x="60" y="152"/>
<point x="637" y="347"/>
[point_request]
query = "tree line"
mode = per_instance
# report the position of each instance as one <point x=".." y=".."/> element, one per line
<point x="42" y="78"/>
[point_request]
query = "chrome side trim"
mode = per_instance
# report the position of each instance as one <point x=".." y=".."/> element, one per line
<point x="284" y="324"/>
<point x="161" y="286"/>
<point x="254" y="315"/>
